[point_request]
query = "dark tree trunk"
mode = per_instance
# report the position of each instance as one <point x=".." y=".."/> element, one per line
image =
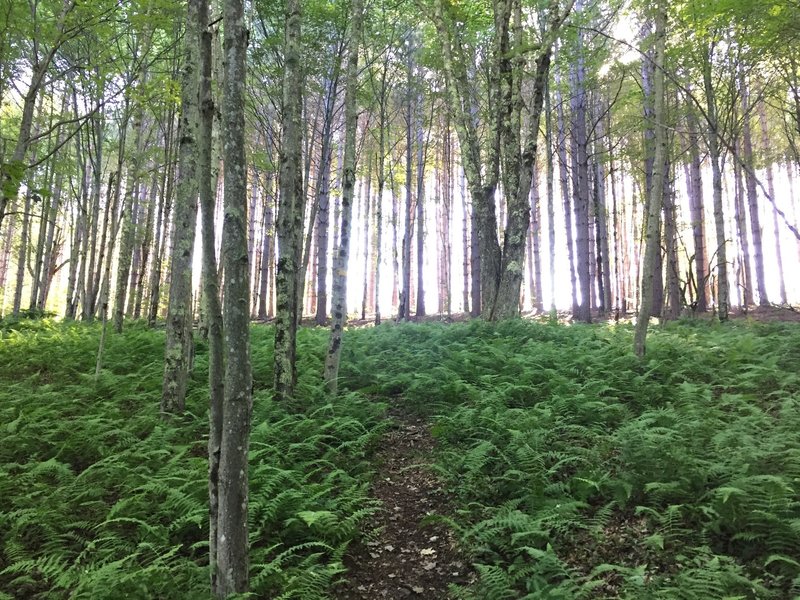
<point x="232" y="561"/>
<point x="290" y="212"/>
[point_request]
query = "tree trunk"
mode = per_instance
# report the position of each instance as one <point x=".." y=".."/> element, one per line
<point x="339" y="304"/>
<point x="536" y="233"/>
<point x="740" y="216"/>
<point x="752" y="193"/>
<point x="323" y="202"/>
<point x="550" y="177"/>
<point x="290" y="212"/>
<point x="565" y="195"/>
<point x="146" y="246"/>
<point x="212" y="308"/>
<point x="22" y="258"/>
<point x="405" y="295"/>
<point x="462" y="188"/>
<point x="580" y="185"/>
<point x="656" y="191"/>
<point x="232" y="564"/>
<point x="161" y="226"/>
<point x="130" y="210"/>
<point x="267" y="251"/>
<point x="395" y="258"/>
<point x="366" y="197"/>
<point x="697" y="213"/>
<point x="179" y="310"/>
<point x="420" y="206"/>
<point x="723" y="302"/>
<point x="765" y="147"/>
<point x="5" y="259"/>
<point x="672" y="308"/>
<point x="601" y="217"/>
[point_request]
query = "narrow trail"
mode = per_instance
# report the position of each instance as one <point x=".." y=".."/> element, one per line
<point x="405" y="558"/>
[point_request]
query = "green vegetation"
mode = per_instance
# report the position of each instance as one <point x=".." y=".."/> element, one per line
<point x="582" y="472"/>
<point x="101" y="499"/>
<point x="578" y="470"/>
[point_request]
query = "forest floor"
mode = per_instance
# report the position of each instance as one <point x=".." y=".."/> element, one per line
<point x="473" y="461"/>
<point x="406" y="555"/>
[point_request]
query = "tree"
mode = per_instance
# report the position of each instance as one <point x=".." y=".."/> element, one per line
<point x="655" y="200"/>
<point x="339" y="299"/>
<point x="231" y="561"/>
<point x="501" y="267"/>
<point x="291" y="211"/>
<point x="178" y="346"/>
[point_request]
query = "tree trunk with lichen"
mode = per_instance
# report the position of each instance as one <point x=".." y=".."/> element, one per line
<point x="179" y="310"/>
<point x="291" y="210"/>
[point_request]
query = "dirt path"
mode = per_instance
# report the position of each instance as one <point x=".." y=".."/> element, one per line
<point x="406" y="558"/>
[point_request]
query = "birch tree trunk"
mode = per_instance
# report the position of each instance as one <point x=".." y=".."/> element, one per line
<point x="164" y="207"/>
<point x="601" y="215"/>
<point x="672" y="307"/>
<point x="366" y="199"/>
<point x="550" y="179"/>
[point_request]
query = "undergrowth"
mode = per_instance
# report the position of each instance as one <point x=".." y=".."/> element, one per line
<point x="578" y="471"/>
<point x="100" y="499"/>
<point x="582" y="472"/>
